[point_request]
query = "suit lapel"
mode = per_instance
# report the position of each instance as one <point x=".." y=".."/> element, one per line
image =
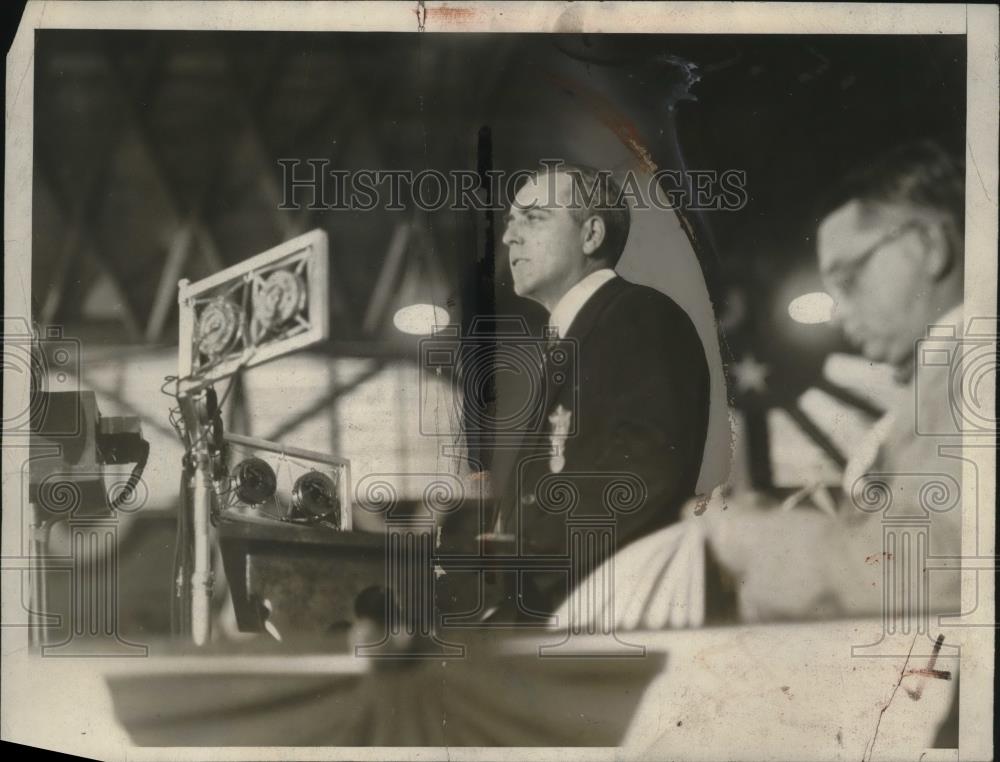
<point x="584" y="322"/>
<point x="506" y="460"/>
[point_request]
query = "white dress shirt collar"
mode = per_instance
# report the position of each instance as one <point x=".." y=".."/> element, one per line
<point x="572" y="301"/>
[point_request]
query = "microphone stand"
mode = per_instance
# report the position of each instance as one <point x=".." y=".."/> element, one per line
<point x="205" y="447"/>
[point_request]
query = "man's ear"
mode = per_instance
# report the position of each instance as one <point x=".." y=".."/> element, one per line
<point x="592" y="233"/>
<point x="937" y="252"/>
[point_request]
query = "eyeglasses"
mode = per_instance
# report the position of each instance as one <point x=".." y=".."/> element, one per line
<point x="844" y="279"/>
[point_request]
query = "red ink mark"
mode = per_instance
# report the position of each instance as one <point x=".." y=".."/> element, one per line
<point x="940" y="674"/>
<point x="608" y="113"/>
<point x="875" y="557"/>
<point x="451" y="14"/>
<point x="929" y="671"/>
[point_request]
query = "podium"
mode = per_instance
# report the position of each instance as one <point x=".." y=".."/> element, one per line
<point x="301" y="579"/>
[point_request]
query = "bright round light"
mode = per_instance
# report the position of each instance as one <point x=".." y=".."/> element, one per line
<point x="420" y="319"/>
<point x="816" y="307"/>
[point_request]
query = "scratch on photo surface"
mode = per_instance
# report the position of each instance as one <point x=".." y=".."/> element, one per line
<point x="870" y="746"/>
<point x="979" y="175"/>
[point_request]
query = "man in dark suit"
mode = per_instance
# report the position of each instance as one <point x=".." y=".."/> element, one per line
<point x="625" y="393"/>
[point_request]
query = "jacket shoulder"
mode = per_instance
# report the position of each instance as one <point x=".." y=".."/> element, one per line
<point x="634" y="301"/>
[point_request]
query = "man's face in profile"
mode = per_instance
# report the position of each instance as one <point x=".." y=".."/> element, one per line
<point x="874" y="264"/>
<point x="544" y="239"/>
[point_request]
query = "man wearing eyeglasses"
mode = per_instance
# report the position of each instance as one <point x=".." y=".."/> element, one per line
<point x="891" y="254"/>
<point x="890" y="249"/>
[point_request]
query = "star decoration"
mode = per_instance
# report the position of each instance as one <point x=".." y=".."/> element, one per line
<point x="750" y="375"/>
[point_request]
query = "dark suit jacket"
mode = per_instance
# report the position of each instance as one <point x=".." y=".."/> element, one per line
<point x="638" y="399"/>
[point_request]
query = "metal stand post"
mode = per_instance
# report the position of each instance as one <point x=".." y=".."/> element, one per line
<point x="201" y="572"/>
<point x="38" y="606"/>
